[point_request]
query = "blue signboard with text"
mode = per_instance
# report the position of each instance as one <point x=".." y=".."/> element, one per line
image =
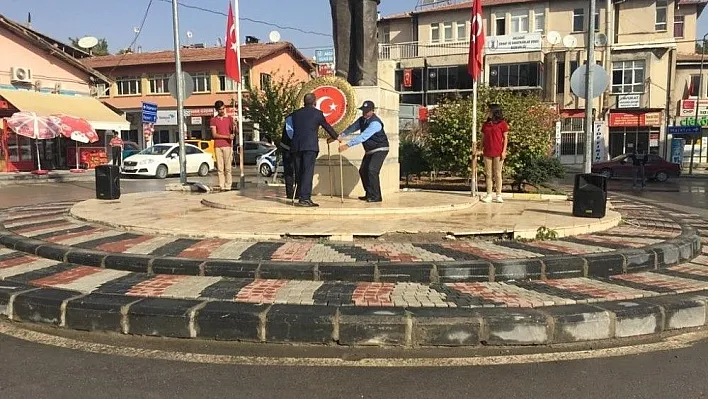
<point x="324" y="56"/>
<point x="149" y="113"/>
<point x="684" y="130"/>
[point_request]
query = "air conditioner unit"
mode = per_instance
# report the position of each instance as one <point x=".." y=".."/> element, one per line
<point x="57" y="88"/>
<point x="21" y="75"/>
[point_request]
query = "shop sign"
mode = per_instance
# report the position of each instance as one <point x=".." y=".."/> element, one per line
<point x="325" y="70"/>
<point x="201" y="112"/>
<point x="628" y="101"/>
<point x="625" y="119"/>
<point x="558" y="140"/>
<point x="599" y="141"/>
<point x="688" y="108"/>
<point x="677" y="147"/>
<point x="514" y="43"/>
<point x="324" y="56"/>
<point x="653" y="140"/>
<point x="166" y="118"/>
<point x="684" y="130"/>
<point x="702" y="121"/>
<point x="196" y="120"/>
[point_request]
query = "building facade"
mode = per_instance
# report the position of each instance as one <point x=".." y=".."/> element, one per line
<point x="42" y="75"/>
<point x="144" y="77"/>
<point x="535" y="46"/>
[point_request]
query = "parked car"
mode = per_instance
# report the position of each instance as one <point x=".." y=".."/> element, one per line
<point x="266" y="163"/>
<point x="162" y="160"/>
<point x="130" y="148"/>
<point x="656" y="168"/>
<point x="253" y="149"/>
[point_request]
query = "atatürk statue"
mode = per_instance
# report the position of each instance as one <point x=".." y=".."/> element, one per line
<point x="355" y="44"/>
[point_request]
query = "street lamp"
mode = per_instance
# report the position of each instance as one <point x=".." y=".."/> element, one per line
<point x="698" y="101"/>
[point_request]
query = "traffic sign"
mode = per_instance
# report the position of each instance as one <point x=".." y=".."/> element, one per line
<point x="149" y="112"/>
<point x="188" y="85"/>
<point x="324" y="56"/>
<point x="600" y="80"/>
<point x="684" y="130"/>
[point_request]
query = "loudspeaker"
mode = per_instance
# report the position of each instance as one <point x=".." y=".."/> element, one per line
<point x="107" y="182"/>
<point x="590" y="195"/>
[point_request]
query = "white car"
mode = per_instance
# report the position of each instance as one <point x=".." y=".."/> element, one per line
<point x="266" y="163"/>
<point x="162" y="160"/>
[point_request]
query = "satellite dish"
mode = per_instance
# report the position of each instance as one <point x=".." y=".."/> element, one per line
<point x="553" y="37"/>
<point x="136" y="30"/>
<point x="570" y="42"/>
<point x="189" y="34"/>
<point x="274" y="36"/>
<point x="88" y="42"/>
<point x="600" y="39"/>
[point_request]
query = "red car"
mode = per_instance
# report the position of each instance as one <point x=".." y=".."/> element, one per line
<point x="656" y="168"/>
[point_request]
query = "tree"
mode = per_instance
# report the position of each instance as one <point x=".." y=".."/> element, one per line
<point x="531" y="130"/>
<point x="699" y="47"/>
<point x="100" y="49"/>
<point x="269" y="105"/>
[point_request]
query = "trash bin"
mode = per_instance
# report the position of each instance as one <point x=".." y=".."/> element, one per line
<point x="590" y="195"/>
<point x="107" y="182"/>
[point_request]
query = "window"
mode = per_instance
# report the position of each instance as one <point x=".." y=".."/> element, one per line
<point x="628" y="77"/>
<point x="500" y="25"/>
<point x="661" y="10"/>
<point x="447" y="31"/>
<point x="265" y="79"/>
<point x="128" y="86"/>
<point x="202" y="82"/>
<point x="158" y="84"/>
<point x="515" y="75"/>
<point x="694" y="87"/>
<point x="539" y="20"/>
<point x="385" y="34"/>
<point x="561" y="76"/>
<point x="103" y="90"/>
<point x="678" y="25"/>
<point x="226" y="84"/>
<point x="520" y="21"/>
<point x="435" y="33"/>
<point x="578" y="20"/>
<point x="461" y="31"/>
<point x="597" y="21"/>
<point x="189" y="150"/>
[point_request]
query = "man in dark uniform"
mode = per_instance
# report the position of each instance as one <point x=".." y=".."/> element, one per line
<point x="288" y="164"/>
<point x="355" y="43"/>
<point x="373" y="138"/>
<point x="304" y="148"/>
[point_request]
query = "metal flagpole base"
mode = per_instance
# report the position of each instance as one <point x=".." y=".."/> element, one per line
<point x="242" y="183"/>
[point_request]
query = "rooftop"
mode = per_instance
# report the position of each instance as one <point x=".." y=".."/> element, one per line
<point x="452" y="7"/>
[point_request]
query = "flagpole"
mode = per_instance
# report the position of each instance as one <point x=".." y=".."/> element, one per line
<point x="242" y="180"/>
<point x="180" y="95"/>
<point x="474" y="138"/>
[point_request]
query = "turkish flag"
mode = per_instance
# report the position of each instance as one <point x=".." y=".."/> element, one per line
<point x="233" y="64"/>
<point x="474" y="64"/>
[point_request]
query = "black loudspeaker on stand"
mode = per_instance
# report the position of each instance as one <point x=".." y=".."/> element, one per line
<point x="590" y="195"/>
<point x="107" y="182"/>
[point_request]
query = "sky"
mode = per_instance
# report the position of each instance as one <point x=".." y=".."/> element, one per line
<point x="115" y="20"/>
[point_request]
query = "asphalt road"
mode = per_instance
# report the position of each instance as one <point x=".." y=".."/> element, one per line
<point x="36" y="370"/>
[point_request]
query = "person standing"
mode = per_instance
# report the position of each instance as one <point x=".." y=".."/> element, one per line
<point x="288" y="164"/>
<point x="639" y="159"/>
<point x="304" y="148"/>
<point x="495" y="133"/>
<point x="116" y="144"/>
<point x="375" y="142"/>
<point x="223" y="130"/>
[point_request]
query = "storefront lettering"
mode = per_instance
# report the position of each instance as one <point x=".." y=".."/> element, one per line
<point x="692" y="121"/>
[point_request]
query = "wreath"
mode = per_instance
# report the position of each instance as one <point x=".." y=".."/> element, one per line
<point x="349" y="96"/>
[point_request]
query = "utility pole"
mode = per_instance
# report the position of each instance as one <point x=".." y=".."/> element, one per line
<point x="180" y="95"/>
<point x="698" y="103"/>
<point x="590" y="48"/>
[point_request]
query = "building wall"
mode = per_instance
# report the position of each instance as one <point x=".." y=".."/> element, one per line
<point x="45" y="69"/>
<point x="278" y="66"/>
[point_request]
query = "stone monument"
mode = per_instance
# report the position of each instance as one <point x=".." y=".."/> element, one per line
<point x="355" y="44"/>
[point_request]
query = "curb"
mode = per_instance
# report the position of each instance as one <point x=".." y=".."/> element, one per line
<point x="668" y="253"/>
<point x="351" y="326"/>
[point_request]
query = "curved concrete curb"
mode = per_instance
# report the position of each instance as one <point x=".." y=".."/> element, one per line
<point x="351" y="326"/>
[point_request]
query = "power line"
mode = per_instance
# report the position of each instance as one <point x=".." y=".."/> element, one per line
<point x="135" y="39"/>
<point x="255" y="21"/>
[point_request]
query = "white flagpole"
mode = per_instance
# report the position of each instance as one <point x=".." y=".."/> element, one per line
<point x="242" y="181"/>
<point x="474" y="138"/>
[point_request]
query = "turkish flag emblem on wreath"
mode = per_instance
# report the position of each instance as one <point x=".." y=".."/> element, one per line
<point x="332" y="102"/>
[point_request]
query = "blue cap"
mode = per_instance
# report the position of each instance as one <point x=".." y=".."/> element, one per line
<point x="367" y="106"/>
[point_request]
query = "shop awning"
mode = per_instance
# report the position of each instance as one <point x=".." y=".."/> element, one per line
<point x="89" y="108"/>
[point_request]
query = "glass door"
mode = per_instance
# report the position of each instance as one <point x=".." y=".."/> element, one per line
<point x="20" y="154"/>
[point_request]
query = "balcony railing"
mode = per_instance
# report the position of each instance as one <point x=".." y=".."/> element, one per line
<point x="402" y="51"/>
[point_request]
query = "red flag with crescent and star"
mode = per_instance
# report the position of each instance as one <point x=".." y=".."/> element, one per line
<point x="233" y="67"/>
<point x="474" y="64"/>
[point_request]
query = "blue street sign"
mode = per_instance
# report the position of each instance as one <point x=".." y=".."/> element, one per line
<point x="684" y="130"/>
<point x="149" y="113"/>
<point x="324" y="56"/>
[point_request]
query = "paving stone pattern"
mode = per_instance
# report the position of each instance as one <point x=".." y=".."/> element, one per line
<point x="643" y="226"/>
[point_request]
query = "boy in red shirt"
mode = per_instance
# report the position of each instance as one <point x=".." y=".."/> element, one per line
<point x="495" y="132"/>
<point x="223" y="130"/>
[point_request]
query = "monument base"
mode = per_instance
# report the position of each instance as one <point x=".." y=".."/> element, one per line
<point x="387" y="102"/>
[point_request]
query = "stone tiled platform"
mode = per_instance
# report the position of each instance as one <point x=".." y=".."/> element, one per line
<point x="263" y="215"/>
<point x="648" y="275"/>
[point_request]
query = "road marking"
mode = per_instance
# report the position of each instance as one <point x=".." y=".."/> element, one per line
<point x="672" y="343"/>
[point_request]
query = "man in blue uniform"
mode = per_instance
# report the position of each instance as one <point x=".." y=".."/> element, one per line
<point x="373" y="138"/>
<point x="304" y="148"/>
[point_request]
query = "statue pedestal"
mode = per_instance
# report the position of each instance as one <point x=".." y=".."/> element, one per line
<point x="387" y="106"/>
